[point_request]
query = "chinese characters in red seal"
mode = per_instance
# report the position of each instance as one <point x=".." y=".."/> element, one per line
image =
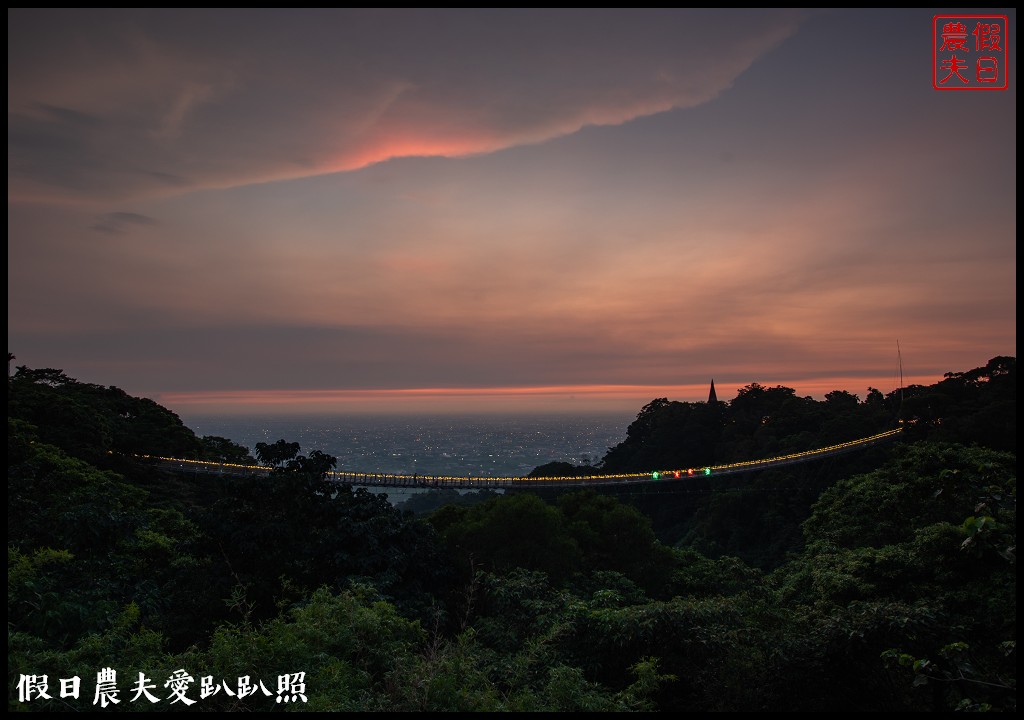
<point x="970" y="52"/>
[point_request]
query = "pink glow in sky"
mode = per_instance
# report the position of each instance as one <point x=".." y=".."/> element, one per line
<point x="492" y="209"/>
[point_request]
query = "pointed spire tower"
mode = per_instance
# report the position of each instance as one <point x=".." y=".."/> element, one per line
<point x="712" y="396"/>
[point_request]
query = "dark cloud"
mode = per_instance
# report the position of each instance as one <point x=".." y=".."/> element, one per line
<point x="118" y="222"/>
<point x="174" y="181"/>
<point x="66" y="116"/>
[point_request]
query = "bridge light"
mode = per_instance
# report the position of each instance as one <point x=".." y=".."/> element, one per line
<point x="655" y="475"/>
<point x="707" y="471"/>
<point x="690" y="472"/>
<point x="676" y="473"/>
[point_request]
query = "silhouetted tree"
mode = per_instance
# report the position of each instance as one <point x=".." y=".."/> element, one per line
<point x="277" y="453"/>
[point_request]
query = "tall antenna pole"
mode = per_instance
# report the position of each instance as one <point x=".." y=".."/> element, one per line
<point x="899" y="355"/>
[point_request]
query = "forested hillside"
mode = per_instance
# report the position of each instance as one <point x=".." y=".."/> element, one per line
<point x="885" y="580"/>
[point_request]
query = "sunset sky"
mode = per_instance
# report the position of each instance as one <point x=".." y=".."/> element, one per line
<point x="353" y="210"/>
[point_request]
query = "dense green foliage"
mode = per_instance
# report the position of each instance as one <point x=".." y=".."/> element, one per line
<point x="104" y="424"/>
<point x="758" y="517"/>
<point x="884" y="581"/>
<point x="978" y="406"/>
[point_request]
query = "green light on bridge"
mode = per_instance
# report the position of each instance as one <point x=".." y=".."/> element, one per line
<point x="655" y="475"/>
<point x="707" y="471"/>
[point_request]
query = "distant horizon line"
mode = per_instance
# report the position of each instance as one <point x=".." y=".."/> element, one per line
<point x="551" y="399"/>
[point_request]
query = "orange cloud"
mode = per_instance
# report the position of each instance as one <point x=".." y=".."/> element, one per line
<point x="138" y="112"/>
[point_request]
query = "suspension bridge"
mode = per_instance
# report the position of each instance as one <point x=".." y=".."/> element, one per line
<point x="201" y="467"/>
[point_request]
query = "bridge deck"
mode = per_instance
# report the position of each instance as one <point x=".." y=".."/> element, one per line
<point x="443" y="481"/>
